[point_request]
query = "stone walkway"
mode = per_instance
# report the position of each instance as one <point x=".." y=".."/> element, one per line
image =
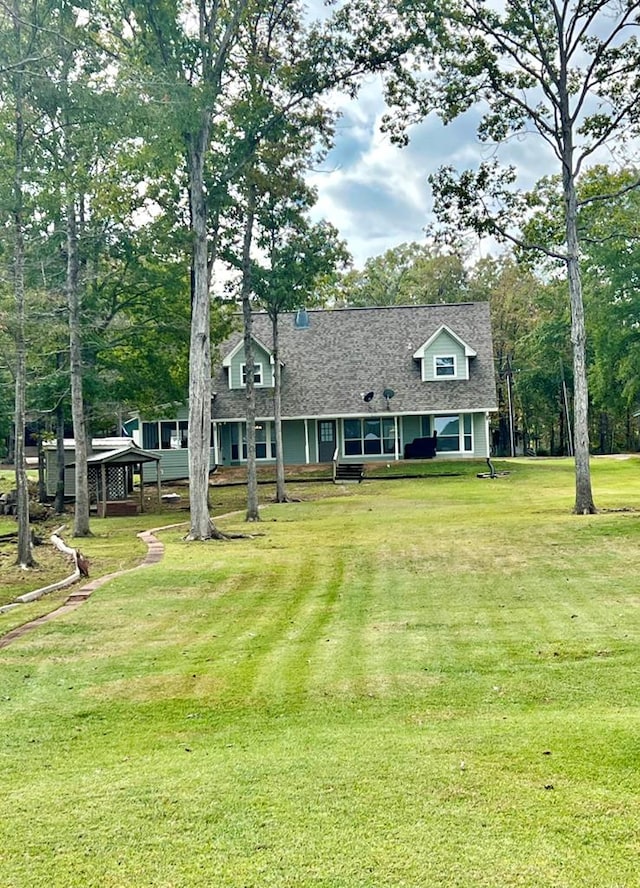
<point x="155" y="552"/>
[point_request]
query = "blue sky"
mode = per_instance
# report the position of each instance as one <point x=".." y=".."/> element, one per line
<point x="378" y="195"/>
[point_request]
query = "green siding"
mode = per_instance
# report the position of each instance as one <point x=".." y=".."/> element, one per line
<point x="480" y="443"/>
<point x="260" y="356"/>
<point x="293" y="441"/>
<point x="51" y="471"/>
<point x="444" y="344"/>
<point x="225" y="443"/>
<point x="174" y="465"/>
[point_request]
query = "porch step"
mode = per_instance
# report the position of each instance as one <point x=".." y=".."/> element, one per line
<point x="349" y="472"/>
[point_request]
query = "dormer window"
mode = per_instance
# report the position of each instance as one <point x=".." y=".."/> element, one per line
<point x="444" y="356"/>
<point x="234" y="362"/>
<point x="257" y="374"/>
<point x="445" y="365"/>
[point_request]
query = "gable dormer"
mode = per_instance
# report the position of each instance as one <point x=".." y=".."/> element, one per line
<point x="236" y="366"/>
<point x="444" y="356"/>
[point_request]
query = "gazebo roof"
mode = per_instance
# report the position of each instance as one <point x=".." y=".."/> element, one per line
<point x="122" y="456"/>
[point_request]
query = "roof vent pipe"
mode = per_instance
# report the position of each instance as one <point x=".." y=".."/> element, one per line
<point x="301" y="321"/>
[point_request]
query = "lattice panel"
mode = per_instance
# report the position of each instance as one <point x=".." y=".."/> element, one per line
<point x="93" y="478"/>
<point x="116" y="482"/>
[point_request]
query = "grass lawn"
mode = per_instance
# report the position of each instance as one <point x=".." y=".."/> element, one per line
<point x="424" y="683"/>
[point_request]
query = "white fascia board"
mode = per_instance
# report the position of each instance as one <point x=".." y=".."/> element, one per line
<point x="226" y="361"/>
<point x="321" y="416"/>
<point x="443" y="328"/>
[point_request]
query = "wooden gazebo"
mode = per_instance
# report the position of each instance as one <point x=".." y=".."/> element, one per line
<point x="111" y="480"/>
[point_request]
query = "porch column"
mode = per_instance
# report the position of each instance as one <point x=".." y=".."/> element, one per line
<point x="396" y="437"/>
<point x="141" y="488"/>
<point x="307" y="457"/>
<point x="103" y="476"/>
<point x="216" y="448"/>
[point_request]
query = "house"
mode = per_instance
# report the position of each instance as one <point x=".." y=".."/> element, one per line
<point x="364" y="383"/>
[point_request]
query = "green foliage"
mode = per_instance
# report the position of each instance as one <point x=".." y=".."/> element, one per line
<point x="609" y="202"/>
<point x="410" y="274"/>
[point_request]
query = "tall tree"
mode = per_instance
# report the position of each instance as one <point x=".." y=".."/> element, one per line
<point x="281" y="115"/>
<point x="185" y="51"/>
<point x="19" y="40"/>
<point x="300" y="257"/>
<point x="195" y="64"/>
<point x="565" y="69"/>
<point x="610" y="250"/>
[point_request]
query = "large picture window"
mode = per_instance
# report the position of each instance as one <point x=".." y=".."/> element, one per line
<point x="454" y="433"/>
<point x="369" y="436"/>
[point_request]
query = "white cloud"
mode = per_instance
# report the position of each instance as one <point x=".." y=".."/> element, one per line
<point x="378" y="194"/>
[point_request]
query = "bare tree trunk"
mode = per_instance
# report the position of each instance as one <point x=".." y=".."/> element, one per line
<point x="24" y="557"/>
<point x="253" y="513"/>
<point x="201" y="526"/>
<point x="42" y="487"/>
<point x="81" y="513"/>
<point x="584" y="504"/>
<point x="59" y="497"/>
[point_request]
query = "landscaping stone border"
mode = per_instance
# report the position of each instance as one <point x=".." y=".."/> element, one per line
<point x="155" y="553"/>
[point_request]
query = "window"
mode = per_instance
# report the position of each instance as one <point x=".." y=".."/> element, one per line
<point x="150" y="439"/>
<point x="454" y="433"/>
<point x="445" y="365"/>
<point x="167" y="435"/>
<point x="265" y="440"/>
<point x="326" y="432"/>
<point x="371" y="436"/>
<point x="468" y="443"/>
<point x="257" y="374"/>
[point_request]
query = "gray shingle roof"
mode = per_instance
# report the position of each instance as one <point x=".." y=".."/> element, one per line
<point x="345" y="352"/>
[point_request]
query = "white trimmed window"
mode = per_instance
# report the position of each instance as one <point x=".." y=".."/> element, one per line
<point x="444" y="366"/>
<point x="370" y="436"/>
<point x="454" y="432"/>
<point x="265" y="441"/>
<point x="257" y="374"/>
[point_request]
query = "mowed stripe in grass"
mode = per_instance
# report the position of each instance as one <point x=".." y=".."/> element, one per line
<point x="421" y="683"/>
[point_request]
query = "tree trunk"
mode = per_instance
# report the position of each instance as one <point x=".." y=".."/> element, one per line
<point x="42" y="487"/>
<point x="81" y="512"/>
<point x="201" y="526"/>
<point x="59" y="497"/>
<point x="584" y="504"/>
<point x="24" y="557"/>
<point x="281" y="492"/>
<point x="253" y="513"/>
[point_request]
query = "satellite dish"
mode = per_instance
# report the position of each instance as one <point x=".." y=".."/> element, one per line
<point x="388" y="394"/>
<point x="368" y="397"/>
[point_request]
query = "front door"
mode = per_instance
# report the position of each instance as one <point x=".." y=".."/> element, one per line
<point x="326" y="439"/>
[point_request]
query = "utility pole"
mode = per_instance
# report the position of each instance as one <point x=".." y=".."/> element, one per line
<point x="512" y="435"/>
